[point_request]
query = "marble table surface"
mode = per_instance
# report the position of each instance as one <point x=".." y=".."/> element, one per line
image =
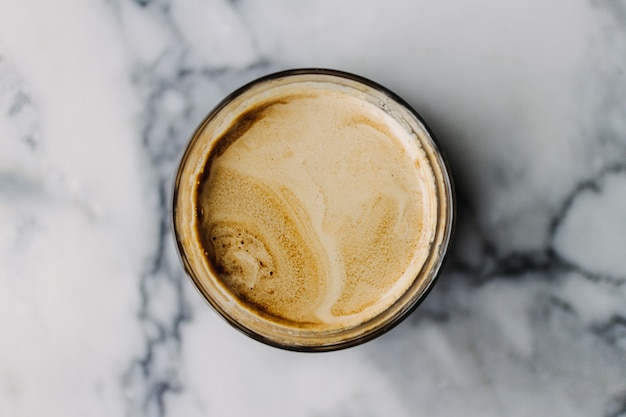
<point x="98" y="99"/>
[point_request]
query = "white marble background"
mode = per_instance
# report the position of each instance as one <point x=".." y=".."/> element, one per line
<point x="97" y="100"/>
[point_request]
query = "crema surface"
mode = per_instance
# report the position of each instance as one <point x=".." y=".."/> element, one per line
<point x="313" y="212"/>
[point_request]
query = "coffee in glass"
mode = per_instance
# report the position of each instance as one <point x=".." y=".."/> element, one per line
<point x="313" y="209"/>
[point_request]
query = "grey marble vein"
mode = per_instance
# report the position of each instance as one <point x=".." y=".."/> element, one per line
<point x="176" y="97"/>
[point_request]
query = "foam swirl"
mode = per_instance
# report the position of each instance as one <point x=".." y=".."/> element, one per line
<point x="311" y="210"/>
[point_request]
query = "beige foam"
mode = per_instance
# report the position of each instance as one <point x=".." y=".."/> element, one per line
<point x="316" y="209"/>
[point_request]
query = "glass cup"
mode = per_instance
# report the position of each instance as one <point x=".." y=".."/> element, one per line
<point x="234" y="276"/>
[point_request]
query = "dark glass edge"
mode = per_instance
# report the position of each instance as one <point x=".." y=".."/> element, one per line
<point x="450" y="230"/>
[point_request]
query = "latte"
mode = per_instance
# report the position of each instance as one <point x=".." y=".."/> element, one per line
<point x="312" y="210"/>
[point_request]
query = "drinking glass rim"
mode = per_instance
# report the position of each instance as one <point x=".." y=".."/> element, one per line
<point x="408" y="306"/>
